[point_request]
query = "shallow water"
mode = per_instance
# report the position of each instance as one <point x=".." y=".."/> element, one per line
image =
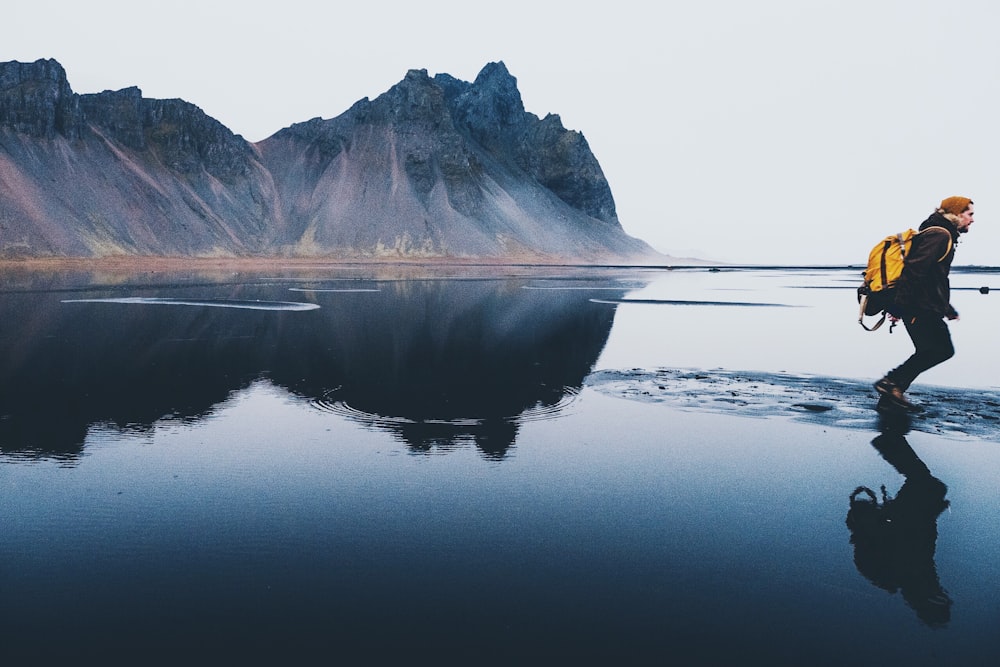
<point x="559" y="464"/>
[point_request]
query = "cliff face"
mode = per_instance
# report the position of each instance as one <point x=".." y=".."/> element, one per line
<point x="116" y="174"/>
<point x="36" y="100"/>
<point x="433" y="168"/>
<point x="556" y="158"/>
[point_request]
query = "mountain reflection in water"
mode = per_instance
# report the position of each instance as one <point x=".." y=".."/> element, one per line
<point x="438" y="362"/>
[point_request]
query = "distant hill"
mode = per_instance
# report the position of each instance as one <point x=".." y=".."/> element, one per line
<point x="435" y="168"/>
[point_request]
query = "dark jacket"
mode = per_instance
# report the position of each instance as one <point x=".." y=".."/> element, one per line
<point x="923" y="288"/>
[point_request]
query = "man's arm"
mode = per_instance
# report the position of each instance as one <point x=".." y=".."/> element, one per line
<point x="918" y="285"/>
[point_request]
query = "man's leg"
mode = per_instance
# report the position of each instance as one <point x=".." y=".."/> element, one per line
<point x="932" y="343"/>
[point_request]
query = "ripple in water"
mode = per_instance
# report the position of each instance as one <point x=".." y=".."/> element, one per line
<point x="538" y="412"/>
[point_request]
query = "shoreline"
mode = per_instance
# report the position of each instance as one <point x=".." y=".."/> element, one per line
<point x="167" y="262"/>
<point x="163" y="264"/>
<point x="156" y="264"/>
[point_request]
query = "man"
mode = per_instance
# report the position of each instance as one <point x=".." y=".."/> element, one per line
<point x="923" y="297"/>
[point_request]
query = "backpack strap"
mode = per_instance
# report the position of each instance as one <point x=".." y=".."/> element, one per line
<point x="885" y="250"/>
<point x="861" y="315"/>
<point x="951" y="240"/>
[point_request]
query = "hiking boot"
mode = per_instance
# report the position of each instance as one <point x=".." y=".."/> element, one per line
<point x="892" y="393"/>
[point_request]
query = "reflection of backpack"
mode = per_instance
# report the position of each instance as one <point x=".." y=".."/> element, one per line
<point x="885" y="265"/>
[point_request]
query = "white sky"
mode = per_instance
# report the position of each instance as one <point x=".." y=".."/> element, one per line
<point x="771" y="131"/>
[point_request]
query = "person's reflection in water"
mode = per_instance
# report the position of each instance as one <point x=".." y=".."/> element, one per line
<point x="894" y="540"/>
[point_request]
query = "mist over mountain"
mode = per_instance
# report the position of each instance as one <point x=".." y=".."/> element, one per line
<point x="434" y="168"/>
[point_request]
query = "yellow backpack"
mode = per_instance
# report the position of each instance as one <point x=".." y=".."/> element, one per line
<point x="885" y="265"/>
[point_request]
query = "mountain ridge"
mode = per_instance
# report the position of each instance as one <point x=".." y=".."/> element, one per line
<point x="435" y="168"/>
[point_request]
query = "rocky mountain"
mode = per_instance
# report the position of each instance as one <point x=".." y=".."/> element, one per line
<point x="435" y="168"/>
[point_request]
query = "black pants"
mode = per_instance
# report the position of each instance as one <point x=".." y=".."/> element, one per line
<point x="932" y="341"/>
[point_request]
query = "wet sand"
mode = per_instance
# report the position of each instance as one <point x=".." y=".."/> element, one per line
<point x="827" y="401"/>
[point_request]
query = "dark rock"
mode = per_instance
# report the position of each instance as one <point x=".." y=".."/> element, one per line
<point x="180" y="134"/>
<point x="559" y="159"/>
<point x="36" y="100"/>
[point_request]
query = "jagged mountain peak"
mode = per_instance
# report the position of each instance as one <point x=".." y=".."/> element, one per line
<point x="416" y="98"/>
<point x="495" y="81"/>
<point x="492" y="103"/>
<point x="433" y="167"/>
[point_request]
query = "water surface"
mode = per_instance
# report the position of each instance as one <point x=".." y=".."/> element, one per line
<point x="613" y="464"/>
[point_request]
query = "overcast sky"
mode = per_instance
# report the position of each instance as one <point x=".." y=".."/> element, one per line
<point x="772" y="131"/>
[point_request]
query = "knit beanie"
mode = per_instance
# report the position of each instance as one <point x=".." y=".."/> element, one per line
<point x="955" y="205"/>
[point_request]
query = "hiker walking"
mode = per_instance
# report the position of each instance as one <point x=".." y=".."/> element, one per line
<point x="923" y="299"/>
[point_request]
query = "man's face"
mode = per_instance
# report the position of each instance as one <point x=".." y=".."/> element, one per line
<point x="965" y="219"/>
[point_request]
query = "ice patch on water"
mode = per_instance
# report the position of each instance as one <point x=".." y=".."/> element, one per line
<point x="565" y="288"/>
<point x="332" y="289"/>
<point x="679" y="302"/>
<point x="211" y="303"/>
